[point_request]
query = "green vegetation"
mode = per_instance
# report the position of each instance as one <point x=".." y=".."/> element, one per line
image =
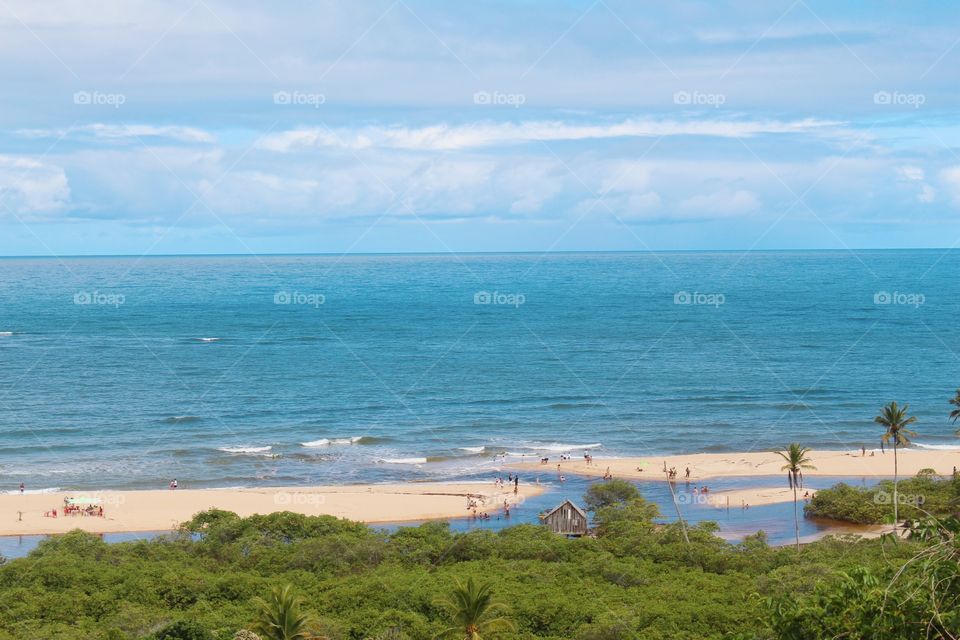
<point x="920" y="497"/>
<point x="280" y="616"/>
<point x="796" y="461"/>
<point x="895" y="420"/>
<point x="955" y="412"/>
<point x="921" y="599"/>
<point x="473" y="611"/>
<point x="635" y="580"/>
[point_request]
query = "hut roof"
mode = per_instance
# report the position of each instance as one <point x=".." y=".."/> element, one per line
<point x="559" y="506"/>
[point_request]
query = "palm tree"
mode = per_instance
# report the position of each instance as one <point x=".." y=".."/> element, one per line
<point x="796" y="458"/>
<point x="473" y="611"/>
<point x="281" y="617"/>
<point x="955" y="414"/>
<point x="895" y="420"/>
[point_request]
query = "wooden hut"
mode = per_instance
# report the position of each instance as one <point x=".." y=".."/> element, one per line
<point x="567" y="519"/>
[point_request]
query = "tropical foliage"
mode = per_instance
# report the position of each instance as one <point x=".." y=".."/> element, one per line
<point x="281" y="617"/>
<point x="636" y="580"/>
<point x="473" y="612"/>
<point x="895" y="420"/>
<point x="920" y="497"/>
<point x="796" y="461"/>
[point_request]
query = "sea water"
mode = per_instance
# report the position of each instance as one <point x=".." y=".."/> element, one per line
<point x="126" y="372"/>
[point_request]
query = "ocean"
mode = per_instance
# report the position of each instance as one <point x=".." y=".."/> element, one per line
<point x="223" y="371"/>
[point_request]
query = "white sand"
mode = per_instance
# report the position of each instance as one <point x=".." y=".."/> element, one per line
<point x="163" y="510"/>
<point x="758" y="463"/>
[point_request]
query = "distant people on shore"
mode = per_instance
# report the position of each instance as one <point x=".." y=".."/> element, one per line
<point x="22" y="487"/>
<point x="607" y="475"/>
<point x="173" y="484"/>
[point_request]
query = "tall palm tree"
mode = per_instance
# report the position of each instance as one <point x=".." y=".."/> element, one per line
<point x="473" y="611"/>
<point x="895" y="419"/>
<point x="955" y="414"/>
<point x="796" y="458"/>
<point x="280" y="616"/>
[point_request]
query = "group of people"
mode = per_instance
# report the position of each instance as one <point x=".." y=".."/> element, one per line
<point x="71" y="509"/>
<point x="511" y="479"/>
<point x="672" y="472"/>
<point x="474" y="503"/>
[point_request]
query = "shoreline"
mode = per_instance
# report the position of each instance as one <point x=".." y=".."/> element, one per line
<point x="164" y="509"/>
<point x="706" y="466"/>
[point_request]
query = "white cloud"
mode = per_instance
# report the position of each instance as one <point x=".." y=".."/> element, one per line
<point x="444" y="137"/>
<point x="124" y="131"/>
<point x="720" y="203"/>
<point x="915" y="176"/>
<point x="950" y="177"/>
<point x="29" y="186"/>
<point x="911" y="173"/>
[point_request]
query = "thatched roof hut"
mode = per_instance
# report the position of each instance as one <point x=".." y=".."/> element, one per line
<point x="566" y="519"/>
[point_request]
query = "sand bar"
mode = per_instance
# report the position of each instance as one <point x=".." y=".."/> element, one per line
<point x="754" y="497"/>
<point x="758" y="463"/>
<point x="162" y="510"/>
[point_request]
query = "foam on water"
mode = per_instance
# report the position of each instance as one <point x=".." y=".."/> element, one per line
<point x="324" y="442"/>
<point x="938" y="447"/>
<point x="245" y="449"/>
<point x="32" y="491"/>
<point x="558" y="447"/>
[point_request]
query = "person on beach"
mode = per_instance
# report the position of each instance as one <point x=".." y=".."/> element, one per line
<point x="607" y="475"/>
<point x="688" y="473"/>
<point x="21" y="487"/>
<point x="863" y="452"/>
<point x="516" y="484"/>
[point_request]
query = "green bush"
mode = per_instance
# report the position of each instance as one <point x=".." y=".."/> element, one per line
<point x="920" y="496"/>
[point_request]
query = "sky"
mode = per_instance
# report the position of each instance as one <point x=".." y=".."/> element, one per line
<point x="206" y="126"/>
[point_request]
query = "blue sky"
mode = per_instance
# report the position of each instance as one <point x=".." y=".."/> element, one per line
<point x="138" y="126"/>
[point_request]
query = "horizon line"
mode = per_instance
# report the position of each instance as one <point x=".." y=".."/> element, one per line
<point x="460" y="253"/>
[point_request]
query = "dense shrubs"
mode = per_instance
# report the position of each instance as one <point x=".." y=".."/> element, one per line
<point x="926" y="494"/>
<point x="636" y="580"/>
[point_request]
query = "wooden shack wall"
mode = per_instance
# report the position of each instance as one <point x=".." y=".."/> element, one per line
<point x="567" y="520"/>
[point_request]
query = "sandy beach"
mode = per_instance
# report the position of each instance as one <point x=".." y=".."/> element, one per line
<point x="162" y="510"/>
<point x="704" y="466"/>
<point x="753" y="497"/>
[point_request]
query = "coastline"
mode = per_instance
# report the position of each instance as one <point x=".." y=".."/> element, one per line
<point x="165" y="510"/>
<point x="705" y="466"/>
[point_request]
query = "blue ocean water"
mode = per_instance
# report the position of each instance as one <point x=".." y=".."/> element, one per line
<point x="127" y="372"/>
